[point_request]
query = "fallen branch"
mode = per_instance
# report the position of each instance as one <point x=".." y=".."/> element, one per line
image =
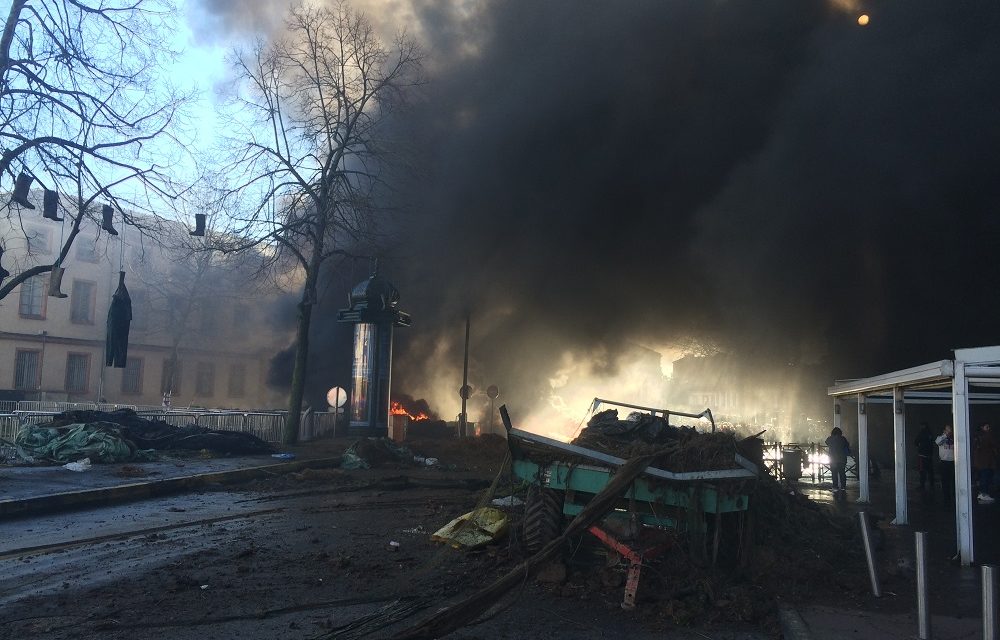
<point x="460" y="614"/>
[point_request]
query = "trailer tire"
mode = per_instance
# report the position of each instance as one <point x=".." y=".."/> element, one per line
<point x="543" y="517"/>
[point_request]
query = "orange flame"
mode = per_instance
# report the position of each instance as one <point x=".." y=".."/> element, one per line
<point x="397" y="409"/>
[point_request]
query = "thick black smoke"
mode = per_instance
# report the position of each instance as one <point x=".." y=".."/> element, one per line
<point x="770" y="177"/>
<point x="767" y="177"/>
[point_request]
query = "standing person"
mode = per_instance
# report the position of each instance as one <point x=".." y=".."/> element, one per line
<point x="984" y="460"/>
<point x="838" y="450"/>
<point x="925" y="456"/>
<point x="946" y="452"/>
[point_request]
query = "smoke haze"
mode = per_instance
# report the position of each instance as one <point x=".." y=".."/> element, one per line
<point x="607" y="186"/>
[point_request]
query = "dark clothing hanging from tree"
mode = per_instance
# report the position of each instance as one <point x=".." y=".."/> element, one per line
<point x="119" y="319"/>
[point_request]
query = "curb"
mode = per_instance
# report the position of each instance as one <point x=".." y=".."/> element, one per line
<point x="69" y="500"/>
<point x="793" y="627"/>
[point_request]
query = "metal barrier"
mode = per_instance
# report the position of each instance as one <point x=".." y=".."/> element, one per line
<point x="324" y="423"/>
<point x="36" y="405"/>
<point x="815" y="461"/>
<point x="8" y="427"/>
<point x="267" y="426"/>
<point x="175" y="419"/>
<point x="222" y="421"/>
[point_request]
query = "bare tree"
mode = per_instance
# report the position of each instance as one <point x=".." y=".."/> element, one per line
<point x="193" y="292"/>
<point x="310" y="156"/>
<point x="84" y="111"/>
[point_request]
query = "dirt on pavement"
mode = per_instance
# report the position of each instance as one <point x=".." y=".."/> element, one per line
<point x="310" y="556"/>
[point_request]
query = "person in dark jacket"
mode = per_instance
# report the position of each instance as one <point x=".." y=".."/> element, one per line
<point x="984" y="461"/>
<point x="925" y="456"/>
<point x="838" y="449"/>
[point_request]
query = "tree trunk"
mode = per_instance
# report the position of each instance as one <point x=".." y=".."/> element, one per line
<point x="294" y="418"/>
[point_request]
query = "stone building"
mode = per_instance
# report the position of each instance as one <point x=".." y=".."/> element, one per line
<point x="199" y="328"/>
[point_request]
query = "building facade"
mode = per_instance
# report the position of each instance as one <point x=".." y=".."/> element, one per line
<point x="198" y="331"/>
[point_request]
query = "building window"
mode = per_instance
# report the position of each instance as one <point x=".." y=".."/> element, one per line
<point x="77" y="372"/>
<point x="140" y="310"/>
<point x="132" y="376"/>
<point x="86" y="250"/>
<point x="171" y="380"/>
<point x="237" y="380"/>
<point x="38" y="241"/>
<point x="27" y="369"/>
<point x="205" y="380"/>
<point x="32" y="303"/>
<point x="84" y="299"/>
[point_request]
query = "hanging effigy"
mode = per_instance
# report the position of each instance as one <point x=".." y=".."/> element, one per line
<point x="119" y="320"/>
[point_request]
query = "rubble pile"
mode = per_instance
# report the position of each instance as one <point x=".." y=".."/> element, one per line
<point x="785" y="547"/>
<point x="123" y="435"/>
<point x="677" y="448"/>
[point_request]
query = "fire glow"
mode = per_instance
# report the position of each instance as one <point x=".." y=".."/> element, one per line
<point x="397" y="409"/>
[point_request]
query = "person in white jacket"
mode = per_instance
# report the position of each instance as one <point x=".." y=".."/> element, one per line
<point x="946" y="451"/>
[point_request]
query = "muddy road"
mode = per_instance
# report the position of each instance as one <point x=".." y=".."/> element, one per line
<point x="304" y="557"/>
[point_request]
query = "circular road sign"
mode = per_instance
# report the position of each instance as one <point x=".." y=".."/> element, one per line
<point x="336" y="397"/>
<point x="493" y="392"/>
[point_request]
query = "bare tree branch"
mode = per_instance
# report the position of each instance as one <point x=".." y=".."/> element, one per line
<point x="303" y="171"/>
<point x="82" y="97"/>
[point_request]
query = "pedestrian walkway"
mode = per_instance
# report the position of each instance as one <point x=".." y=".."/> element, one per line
<point x="825" y="623"/>
<point x="955" y="592"/>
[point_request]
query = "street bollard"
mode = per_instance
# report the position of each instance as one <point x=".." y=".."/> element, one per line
<point x="869" y="554"/>
<point x="923" y="611"/>
<point x="990" y="631"/>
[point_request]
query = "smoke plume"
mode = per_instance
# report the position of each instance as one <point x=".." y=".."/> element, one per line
<point x="604" y="185"/>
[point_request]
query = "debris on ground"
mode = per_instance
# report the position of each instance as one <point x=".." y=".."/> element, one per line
<point x="480" y="453"/>
<point x="79" y="465"/>
<point x="430" y="429"/>
<point x="474" y="529"/>
<point x="679" y="448"/>
<point x="98" y="441"/>
<point x="366" y="453"/>
<point x="784" y="546"/>
<point x="123" y="435"/>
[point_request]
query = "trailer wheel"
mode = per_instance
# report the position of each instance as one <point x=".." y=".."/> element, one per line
<point x="543" y="517"/>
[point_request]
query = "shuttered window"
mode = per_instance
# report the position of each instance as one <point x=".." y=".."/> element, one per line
<point x="27" y="369"/>
<point x="77" y="372"/>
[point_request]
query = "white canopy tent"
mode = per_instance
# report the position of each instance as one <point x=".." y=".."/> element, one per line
<point x="978" y="367"/>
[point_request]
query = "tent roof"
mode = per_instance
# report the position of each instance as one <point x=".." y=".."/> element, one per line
<point x="982" y="366"/>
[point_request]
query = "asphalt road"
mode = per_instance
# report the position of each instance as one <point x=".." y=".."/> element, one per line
<point x="304" y="562"/>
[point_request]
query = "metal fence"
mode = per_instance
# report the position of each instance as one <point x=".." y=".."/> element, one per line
<point x="267" y="425"/>
<point x="815" y="461"/>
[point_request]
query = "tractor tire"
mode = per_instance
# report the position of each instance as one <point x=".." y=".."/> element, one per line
<point x="543" y="517"/>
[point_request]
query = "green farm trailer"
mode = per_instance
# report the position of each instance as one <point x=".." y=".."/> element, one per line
<point x="563" y="478"/>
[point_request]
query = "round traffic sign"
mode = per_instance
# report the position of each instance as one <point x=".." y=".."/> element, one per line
<point x="465" y="392"/>
<point x="336" y="397"/>
<point x="493" y="392"/>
